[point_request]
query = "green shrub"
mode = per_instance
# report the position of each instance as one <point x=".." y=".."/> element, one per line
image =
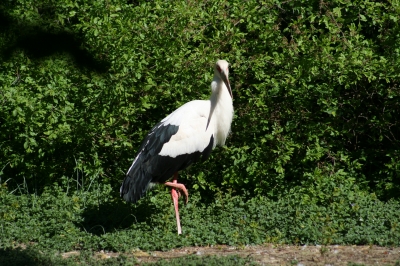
<point x="316" y="91"/>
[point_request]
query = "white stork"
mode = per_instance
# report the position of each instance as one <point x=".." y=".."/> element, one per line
<point x="185" y="136"/>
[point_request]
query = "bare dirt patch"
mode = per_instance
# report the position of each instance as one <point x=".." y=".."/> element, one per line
<point x="278" y="254"/>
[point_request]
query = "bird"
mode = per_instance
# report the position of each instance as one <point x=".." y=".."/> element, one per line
<point x="185" y="136"/>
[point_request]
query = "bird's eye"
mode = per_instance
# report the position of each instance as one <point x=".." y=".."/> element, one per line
<point x="219" y="69"/>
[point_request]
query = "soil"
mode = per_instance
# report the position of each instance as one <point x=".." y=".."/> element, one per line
<point x="279" y="254"/>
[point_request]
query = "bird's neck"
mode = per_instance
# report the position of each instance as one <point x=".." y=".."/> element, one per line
<point x="220" y="94"/>
<point x="221" y="110"/>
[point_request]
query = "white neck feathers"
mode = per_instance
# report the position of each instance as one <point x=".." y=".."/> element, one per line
<point x="221" y="110"/>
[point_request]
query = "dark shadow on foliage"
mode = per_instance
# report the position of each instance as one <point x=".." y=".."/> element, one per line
<point x="39" y="42"/>
<point x="110" y="216"/>
<point x="23" y="257"/>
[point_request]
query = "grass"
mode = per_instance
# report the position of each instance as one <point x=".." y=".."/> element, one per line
<point x="32" y="256"/>
<point x="89" y="221"/>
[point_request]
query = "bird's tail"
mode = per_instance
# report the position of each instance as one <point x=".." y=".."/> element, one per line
<point x="135" y="184"/>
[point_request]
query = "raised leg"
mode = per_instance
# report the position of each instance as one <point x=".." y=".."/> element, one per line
<point x="178" y="186"/>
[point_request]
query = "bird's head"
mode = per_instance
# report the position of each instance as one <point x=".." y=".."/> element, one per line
<point x="222" y="70"/>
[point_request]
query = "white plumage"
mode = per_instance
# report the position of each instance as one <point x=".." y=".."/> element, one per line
<point x="185" y="136"/>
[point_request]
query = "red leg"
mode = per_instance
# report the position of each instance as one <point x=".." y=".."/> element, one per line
<point x="178" y="186"/>
<point x="175" y="196"/>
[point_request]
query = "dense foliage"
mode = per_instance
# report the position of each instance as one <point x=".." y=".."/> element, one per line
<point x="315" y="138"/>
<point x="316" y="88"/>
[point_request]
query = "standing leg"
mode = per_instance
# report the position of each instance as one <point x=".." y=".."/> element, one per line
<point x="175" y="196"/>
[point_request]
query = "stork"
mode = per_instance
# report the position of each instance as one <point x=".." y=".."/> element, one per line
<point x="184" y="137"/>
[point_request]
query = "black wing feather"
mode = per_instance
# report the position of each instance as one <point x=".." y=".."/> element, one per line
<point x="153" y="168"/>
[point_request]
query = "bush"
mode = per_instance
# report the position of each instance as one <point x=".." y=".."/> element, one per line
<point x="316" y="91"/>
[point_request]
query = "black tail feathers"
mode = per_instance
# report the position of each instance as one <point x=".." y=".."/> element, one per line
<point x="135" y="185"/>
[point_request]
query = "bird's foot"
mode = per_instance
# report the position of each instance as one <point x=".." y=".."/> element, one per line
<point x="180" y="188"/>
